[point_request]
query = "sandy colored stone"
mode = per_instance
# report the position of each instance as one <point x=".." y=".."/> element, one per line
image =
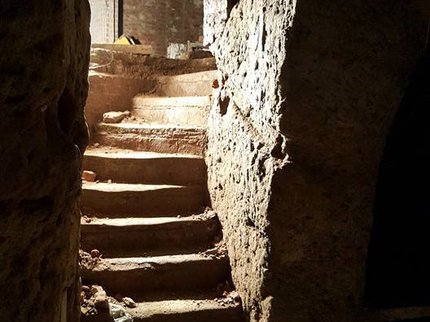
<point x="89" y="176"/>
<point x="129" y="302"/>
<point x="95" y="253"/>
<point x="295" y="137"/>
<point x="115" y="117"/>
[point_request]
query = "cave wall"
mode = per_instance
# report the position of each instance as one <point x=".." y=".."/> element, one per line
<point x="44" y="57"/>
<point x="243" y="133"/>
<point x="296" y="133"/>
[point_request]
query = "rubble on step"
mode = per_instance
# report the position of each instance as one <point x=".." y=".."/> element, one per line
<point x="115" y="117"/>
<point x="97" y="306"/>
<point x="89" y="176"/>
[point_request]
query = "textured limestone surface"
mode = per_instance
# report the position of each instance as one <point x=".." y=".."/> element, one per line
<point x="296" y="132"/>
<point x="215" y="17"/>
<point x="244" y="139"/>
<point x="44" y="57"/>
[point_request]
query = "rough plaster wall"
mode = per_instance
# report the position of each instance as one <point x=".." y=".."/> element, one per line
<point x="43" y="86"/>
<point x="293" y="156"/>
<point x="160" y="22"/>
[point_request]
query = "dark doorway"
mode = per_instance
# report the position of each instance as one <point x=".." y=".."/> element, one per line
<point x="398" y="268"/>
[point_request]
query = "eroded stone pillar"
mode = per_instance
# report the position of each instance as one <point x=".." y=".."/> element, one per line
<point x="308" y="92"/>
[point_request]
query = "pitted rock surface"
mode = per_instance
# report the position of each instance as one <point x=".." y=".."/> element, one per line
<point x="43" y="86"/>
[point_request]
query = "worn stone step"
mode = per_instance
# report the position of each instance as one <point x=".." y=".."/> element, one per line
<point x="145" y="167"/>
<point x="192" y="84"/>
<point x="188" y="306"/>
<point x="186" y="310"/>
<point x="139" y="200"/>
<point x="152" y="138"/>
<point x="190" y="110"/>
<point x="135" y="275"/>
<point x="110" y="92"/>
<point x="127" y="237"/>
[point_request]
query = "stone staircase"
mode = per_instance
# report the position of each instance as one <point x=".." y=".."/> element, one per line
<point x="146" y="214"/>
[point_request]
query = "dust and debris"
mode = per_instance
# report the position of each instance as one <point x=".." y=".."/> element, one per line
<point x="115" y="116"/>
<point x="218" y="251"/>
<point x="89" y="176"/>
<point x="95" y="253"/>
<point x="129" y="302"/>
<point x="229" y="298"/>
<point x="226" y="294"/>
<point x="96" y="303"/>
<point x="87" y="219"/>
<point x="89" y="261"/>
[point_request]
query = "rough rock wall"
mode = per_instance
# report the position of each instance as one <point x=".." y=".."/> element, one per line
<point x="343" y="87"/>
<point x="43" y="86"/>
<point x="243" y="134"/>
<point x="295" y="136"/>
<point x="214" y="20"/>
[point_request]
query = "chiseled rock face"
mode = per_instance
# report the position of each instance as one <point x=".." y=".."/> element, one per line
<point x="44" y="57"/>
<point x="214" y="20"/>
<point x="296" y="133"/>
<point x="245" y="144"/>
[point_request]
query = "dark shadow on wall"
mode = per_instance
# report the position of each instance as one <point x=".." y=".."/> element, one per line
<point x="230" y="6"/>
<point x="120" y="18"/>
<point x="416" y="320"/>
<point x="398" y="267"/>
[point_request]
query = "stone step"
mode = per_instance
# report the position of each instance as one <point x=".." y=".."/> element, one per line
<point x="145" y="167"/>
<point x="186" y="310"/>
<point x="152" y="138"/>
<point x="189" y="110"/>
<point x="192" y="84"/>
<point x="139" y="200"/>
<point x="128" y="237"/>
<point x="112" y="93"/>
<point x="188" y="306"/>
<point x="134" y="275"/>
